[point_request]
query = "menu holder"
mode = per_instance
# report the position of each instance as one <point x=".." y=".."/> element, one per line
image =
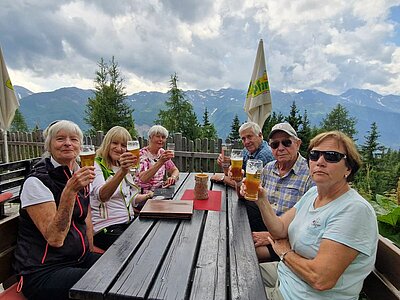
<point x="173" y="209"/>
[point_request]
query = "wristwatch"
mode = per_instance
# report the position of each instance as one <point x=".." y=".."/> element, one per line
<point x="282" y="256"/>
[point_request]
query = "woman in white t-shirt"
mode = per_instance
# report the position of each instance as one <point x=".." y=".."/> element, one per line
<point x="327" y="241"/>
<point x="114" y="195"/>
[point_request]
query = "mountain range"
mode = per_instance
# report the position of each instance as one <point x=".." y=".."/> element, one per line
<point x="365" y="105"/>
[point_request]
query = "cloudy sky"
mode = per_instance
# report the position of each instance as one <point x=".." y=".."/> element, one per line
<point x="211" y="44"/>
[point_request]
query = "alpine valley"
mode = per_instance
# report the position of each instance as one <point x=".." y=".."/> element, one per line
<point x="365" y="105"/>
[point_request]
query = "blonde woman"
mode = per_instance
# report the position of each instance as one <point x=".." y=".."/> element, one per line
<point x="114" y="195"/>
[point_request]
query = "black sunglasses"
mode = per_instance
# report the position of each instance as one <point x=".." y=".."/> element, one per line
<point x="329" y="156"/>
<point x="285" y="143"/>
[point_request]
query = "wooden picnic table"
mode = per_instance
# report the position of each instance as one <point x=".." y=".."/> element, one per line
<point x="210" y="256"/>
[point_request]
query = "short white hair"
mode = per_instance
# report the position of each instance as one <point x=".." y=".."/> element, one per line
<point x="254" y="126"/>
<point x="158" y="129"/>
<point x="54" y="127"/>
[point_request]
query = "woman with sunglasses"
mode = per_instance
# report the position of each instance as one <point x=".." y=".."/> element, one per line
<point x="327" y="242"/>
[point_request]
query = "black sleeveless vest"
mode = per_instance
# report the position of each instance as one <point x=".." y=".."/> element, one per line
<point x="33" y="253"/>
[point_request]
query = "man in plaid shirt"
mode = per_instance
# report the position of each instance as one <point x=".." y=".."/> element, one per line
<point x="286" y="179"/>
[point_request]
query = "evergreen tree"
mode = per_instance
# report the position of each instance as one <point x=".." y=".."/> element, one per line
<point x="208" y="129"/>
<point x="304" y="134"/>
<point x="234" y="134"/>
<point x="108" y="107"/>
<point x="18" y="123"/>
<point x="339" y="119"/>
<point x="370" y="146"/>
<point x="179" y="115"/>
<point x="294" y="117"/>
<point x="272" y="120"/>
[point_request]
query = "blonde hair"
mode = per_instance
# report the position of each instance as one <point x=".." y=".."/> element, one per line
<point x="54" y="127"/>
<point x="116" y="133"/>
<point x="353" y="157"/>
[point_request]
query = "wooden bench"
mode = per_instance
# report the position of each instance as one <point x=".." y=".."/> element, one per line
<point x="12" y="176"/>
<point x="384" y="281"/>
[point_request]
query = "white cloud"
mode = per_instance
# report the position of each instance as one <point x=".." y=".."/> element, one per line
<point x="331" y="46"/>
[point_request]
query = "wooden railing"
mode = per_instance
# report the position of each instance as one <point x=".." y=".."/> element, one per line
<point x="190" y="155"/>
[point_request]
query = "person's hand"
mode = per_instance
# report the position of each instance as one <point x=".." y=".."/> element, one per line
<point x="280" y="246"/>
<point x="230" y="175"/>
<point x="127" y="160"/>
<point x="166" y="155"/>
<point x="81" y="178"/>
<point x="261" y="238"/>
<point x="170" y="181"/>
<point x="220" y="160"/>
<point x="242" y="188"/>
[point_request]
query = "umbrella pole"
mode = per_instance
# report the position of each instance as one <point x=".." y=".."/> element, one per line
<point x="5" y="146"/>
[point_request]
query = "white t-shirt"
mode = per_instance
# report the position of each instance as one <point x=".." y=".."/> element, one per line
<point x="35" y="192"/>
<point x="119" y="208"/>
<point x="349" y="220"/>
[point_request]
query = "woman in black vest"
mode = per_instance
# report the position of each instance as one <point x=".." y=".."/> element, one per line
<point x="55" y="235"/>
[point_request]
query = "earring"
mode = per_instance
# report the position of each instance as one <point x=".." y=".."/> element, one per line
<point x="345" y="175"/>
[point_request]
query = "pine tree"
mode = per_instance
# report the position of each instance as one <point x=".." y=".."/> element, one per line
<point x="370" y="146"/>
<point x="108" y="107"/>
<point x="339" y="119"/>
<point x="234" y="134"/>
<point x="208" y="129"/>
<point x="294" y="117"/>
<point x="179" y="115"/>
<point x="18" y="123"/>
<point x="304" y="134"/>
<point x="272" y="120"/>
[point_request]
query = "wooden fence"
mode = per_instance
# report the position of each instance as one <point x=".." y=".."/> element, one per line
<point x="190" y="156"/>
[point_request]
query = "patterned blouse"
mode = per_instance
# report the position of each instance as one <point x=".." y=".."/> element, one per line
<point x="147" y="160"/>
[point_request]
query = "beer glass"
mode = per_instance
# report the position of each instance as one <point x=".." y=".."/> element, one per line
<point x="254" y="169"/>
<point x="87" y="155"/>
<point x="171" y="147"/>
<point x="134" y="148"/>
<point x="236" y="164"/>
<point x="226" y="150"/>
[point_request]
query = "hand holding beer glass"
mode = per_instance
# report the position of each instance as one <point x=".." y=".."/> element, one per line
<point x="134" y="148"/>
<point x="236" y="164"/>
<point x="87" y="155"/>
<point x="226" y="157"/>
<point x="254" y="169"/>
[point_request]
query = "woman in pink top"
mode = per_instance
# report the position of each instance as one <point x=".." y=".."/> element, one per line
<point x="155" y="161"/>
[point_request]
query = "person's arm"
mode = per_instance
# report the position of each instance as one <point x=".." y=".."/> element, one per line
<point x="108" y="188"/>
<point x="146" y="175"/>
<point x="323" y="271"/>
<point x="89" y="229"/>
<point x="261" y="238"/>
<point x="173" y="177"/>
<point x="54" y="222"/>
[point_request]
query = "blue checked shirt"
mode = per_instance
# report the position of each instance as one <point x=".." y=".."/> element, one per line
<point x="284" y="192"/>
<point x="262" y="153"/>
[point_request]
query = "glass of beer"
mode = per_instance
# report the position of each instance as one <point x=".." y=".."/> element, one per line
<point x="171" y="147"/>
<point x="134" y="148"/>
<point x="254" y="169"/>
<point x="87" y="155"/>
<point x="236" y="164"/>
<point x="226" y="150"/>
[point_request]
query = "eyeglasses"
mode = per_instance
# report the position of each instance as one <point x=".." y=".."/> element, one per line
<point x="329" y="156"/>
<point x="286" y="143"/>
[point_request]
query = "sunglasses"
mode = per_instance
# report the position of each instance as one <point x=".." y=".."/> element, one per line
<point x="286" y="143"/>
<point x="329" y="156"/>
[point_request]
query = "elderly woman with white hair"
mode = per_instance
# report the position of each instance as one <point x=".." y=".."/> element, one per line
<point x="155" y="161"/>
<point x="55" y="235"/>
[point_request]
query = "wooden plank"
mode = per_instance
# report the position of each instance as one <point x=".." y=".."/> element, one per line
<point x="245" y="276"/>
<point x="97" y="281"/>
<point x="8" y="234"/>
<point x="376" y="287"/>
<point x="209" y="280"/>
<point x="136" y="279"/>
<point x="388" y="261"/>
<point x="173" y="279"/>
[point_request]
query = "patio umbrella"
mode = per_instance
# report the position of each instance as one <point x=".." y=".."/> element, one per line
<point x="258" y="103"/>
<point x="8" y="102"/>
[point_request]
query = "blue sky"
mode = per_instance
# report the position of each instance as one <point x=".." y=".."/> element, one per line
<point x="331" y="46"/>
